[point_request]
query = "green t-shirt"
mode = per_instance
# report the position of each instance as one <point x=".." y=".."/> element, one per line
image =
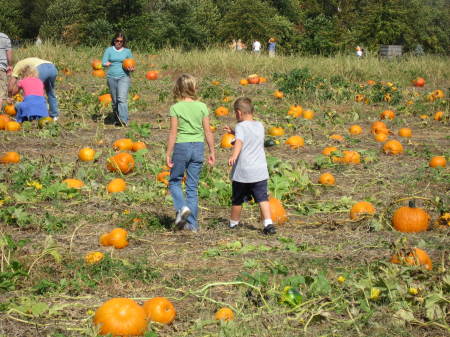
<point x="190" y="120"/>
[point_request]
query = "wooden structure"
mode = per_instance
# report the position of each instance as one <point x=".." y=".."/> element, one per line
<point x="390" y="51"/>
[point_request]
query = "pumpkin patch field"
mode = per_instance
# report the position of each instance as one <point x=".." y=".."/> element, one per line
<point x="358" y="153"/>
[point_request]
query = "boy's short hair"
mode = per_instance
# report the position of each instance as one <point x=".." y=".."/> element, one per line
<point x="244" y="105"/>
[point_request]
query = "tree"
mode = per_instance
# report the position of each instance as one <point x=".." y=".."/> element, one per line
<point x="10" y="18"/>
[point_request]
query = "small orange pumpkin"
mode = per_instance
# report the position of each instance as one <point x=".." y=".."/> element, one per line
<point x="12" y="126"/>
<point x="438" y="115"/>
<point x="348" y="157"/>
<point x="73" y="183"/>
<point x="243" y="82"/>
<point x="277" y="211"/>
<point x="393" y="147"/>
<point x="253" y="79"/>
<point x="162" y="177"/>
<point x="328" y="150"/>
<point x="419" y="82"/>
<point x="138" y="146"/>
<point x="121" y="317"/>
<point x="355" y="130"/>
<point x="160" y="309"/>
<point x="118" y="238"/>
<point x="359" y="98"/>
<point x="405" y="132"/>
<point x="98" y="73"/>
<point x="413" y="257"/>
<point x="295" y="111"/>
<point x="226" y="141"/>
<point x="438" y="161"/>
<point x="123" y="162"/>
<point x="361" y="208"/>
<point x="104" y="240"/>
<point x="129" y="63"/>
<point x="224" y="314"/>
<point x="86" y="154"/>
<point x="152" y="75"/>
<point x="411" y="219"/>
<point x="278" y="94"/>
<point x="379" y="127"/>
<point x="10" y="158"/>
<point x="327" y="179"/>
<point x="3" y="120"/>
<point x="295" y="142"/>
<point x="276" y="131"/>
<point x="10" y="109"/>
<point x="337" y="137"/>
<point x="123" y="144"/>
<point x="105" y="99"/>
<point x="380" y="137"/>
<point x="308" y="114"/>
<point x="93" y="257"/>
<point x="116" y="185"/>
<point x="387" y="114"/>
<point x="96" y="64"/>
<point x="221" y="111"/>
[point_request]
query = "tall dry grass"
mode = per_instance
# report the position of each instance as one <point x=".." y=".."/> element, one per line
<point x="222" y="63"/>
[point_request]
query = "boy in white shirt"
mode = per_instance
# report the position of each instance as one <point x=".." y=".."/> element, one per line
<point x="249" y="174"/>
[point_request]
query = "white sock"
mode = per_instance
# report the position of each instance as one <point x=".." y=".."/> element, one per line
<point x="267" y="222"/>
<point x="233" y="223"/>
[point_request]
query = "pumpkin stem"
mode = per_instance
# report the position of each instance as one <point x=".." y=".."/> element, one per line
<point x="412" y="203"/>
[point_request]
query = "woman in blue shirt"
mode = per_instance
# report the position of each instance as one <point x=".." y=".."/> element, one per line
<point x="118" y="78"/>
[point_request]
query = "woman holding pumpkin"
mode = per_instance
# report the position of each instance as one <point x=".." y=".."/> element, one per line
<point x="118" y="78"/>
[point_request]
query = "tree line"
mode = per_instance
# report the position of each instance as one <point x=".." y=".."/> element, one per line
<point x="300" y="26"/>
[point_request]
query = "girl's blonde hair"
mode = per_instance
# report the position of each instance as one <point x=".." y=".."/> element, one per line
<point x="28" y="71"/>
<point x="185" y="87"/>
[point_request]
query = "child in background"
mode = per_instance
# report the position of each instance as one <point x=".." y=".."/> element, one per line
<point x="34" y="105"/>
<point x="189" y="125"/>
<point x="249" y="174"/>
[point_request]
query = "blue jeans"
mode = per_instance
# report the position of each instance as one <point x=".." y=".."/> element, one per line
<point x="47" y="74"/>
<point x="187" y="157"/>
<point x="118" y="88"/>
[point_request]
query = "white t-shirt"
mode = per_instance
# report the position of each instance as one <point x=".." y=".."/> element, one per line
<point x="251" y="165"/>
<point x="256" y="46"/>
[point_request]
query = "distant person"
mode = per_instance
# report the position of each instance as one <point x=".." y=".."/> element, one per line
<point x="232" y="45"/>
<point x="47" y="73"/>
<point x="38" y="41"/>
<point x="271" y="47"/>
<point x="5" y="66"/>
<point x="189" y="126"/>
<point x="359" y="51"/>
<point x="34" y="105"/>
<point x="118" y="78"/>
<point x="249" y="174"/>
<point x="240" y="46"/>
<point x="256" y="47"/>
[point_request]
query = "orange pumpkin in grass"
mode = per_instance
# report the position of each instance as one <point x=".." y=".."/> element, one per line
<point x="337" y="137"/>
<point x="118" y="238"/>
<point x="262" y="79"/>
<point x="328" y="150"/>
<point x="10" y="109"/>
<point x="380" y="137"/>
<point x="278" y="94"/>
<point x="327" y="179"/>
<point x="295" y="142"/>
<point x="253" y="79"/>
<point x="221" y="111"/>
<point x="348" y="157"/>
<point x="361" y="208"/>
<point x="162" y="177"/>
<point x="393" y="147"/>
<point x="387" y="114"/>
<point x="10" y="158"/>
<point x="116" y="185"/>
<point x="411" y="219"/>
<point x="98" y="73"/>
<point x="226" y="141"/>
<point x="12" y="126"/>
<point x="138" y="146"/>
<point x="123" y="144"/>
<point x="413" y="257"/>
<point x="105" y="99"/>
<point x="276" y="131"/>
<point x="96" y="64"/>
<point x="152" y="75"/>
<point x="243" y="82"/>
<point x="277" y="211"/>
<point x="355" y="130"/>
<point x="405" y="132"/>
<point x="379" y="127"/>
<point x="224" y="314"/>
<point x="438" y="161"/>
<point x="86" y="154"/>
<point x="308" y="114"/>
<point x="121" y="317"/>
<point x="160" y="309"/>
<point x="419" y="82"/>
<point x="3" y="120"/>
<point x="104" y="239"/>
<point x="73" y="183"/>
<point x="438" y="115"/>
<point x="129" y="63"/>
<point x="123" y="162"/>
<point x="295" y="111"/>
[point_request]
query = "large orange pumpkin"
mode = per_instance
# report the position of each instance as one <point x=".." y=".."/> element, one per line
<point x="226" y="141"/>
<point x="118" y="238"/>
<point x="152" y="75"/>
<point x="277" y="211"/>
<point x="10" y="158"/>
<point x="361" y="208"/>
<point x="123" y="144"/>
<point x="160" y="309"/>
<point x="121" y="317"/>
<point x="122" y="162"/>
<point x="12" y="126"/>
<point x="3" y="120"/>
<point x="413" y="257"/>
<point x="438" y="161"/>
<point x="393" y="147"/>
<point x="116" y="185"/>
<point x="411" y="219"/>
<point x="295" y="142"/>
<point x="128" y="63"/>
<point x="86" y="154"/>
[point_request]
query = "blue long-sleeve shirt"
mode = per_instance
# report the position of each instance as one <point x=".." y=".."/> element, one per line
<point x="116" y="58"/>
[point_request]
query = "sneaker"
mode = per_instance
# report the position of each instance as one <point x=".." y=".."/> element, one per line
<point x="269" y="230"/>
<point x="239" y="225"/>
<point x="181" y="217"/>
<point x="55" y="118"/>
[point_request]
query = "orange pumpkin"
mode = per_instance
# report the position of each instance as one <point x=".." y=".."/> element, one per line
<point x="98" y="73"/>
<point x="262" y="80"/>
<point x="226" y="141"/>
<point x="10" y="109"/>
<point x="371" y="82"/>
<point x="355" y="130"/>
<point x="361" y="208"/>
<point x="277" y="211"/>
<point x="123" y="162"/>
<point x="308" y="114"/>
<point x="128" y="64"/>
<point x="243" y="82"/>
<point x="393" y="147"/>
<point x="152" y="75"/>
<point x="380" y="137"/>
<point x="359" y="98"/>
<point x="136" y="97"/>
<point x="348" y="157"/>
<point x="121" y="317"/>
<point x="295" y="111"/>
<point x="118" y="238"/>
<point x="160" y="309"/>
<point x="224" y="314"/>
<point x="3" y="120"/>
<point x="93" y="257"/>
<point x="413" y="257"/>
<point x="276" y="131"/>
<point x="411" y="219"/>
<point x="405" y="132"/>
<point x="221" y="111"/>
<point x="278" y="94"/>
<point x="123" y="144"/>
<point x="438" y="161"/>
<point x="379" y="127"/>
<point x="419" y="82"/>
<point x="162" y="177"/>
<point x="438" y="115"/>
<point x="105" y="99"/>
<point x="86" y="154"/>
<point x="327" y="179"/>
<point x="387" y="114"/>
<point x="295" y="142"/>
<point x="328" y="150"/>
<point x="12" y="126"/>
<point x="96" y="64"/>
<point x="104" y="240"/>
<point x="73" y="183"/>
<point x="337" y="137"/>
<point x="253" y="79"/>
<point x="438" y="93"/>
<point x="10" y="158"/>
<point x="138" y="146"/>
<point x="116" y="185"/>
